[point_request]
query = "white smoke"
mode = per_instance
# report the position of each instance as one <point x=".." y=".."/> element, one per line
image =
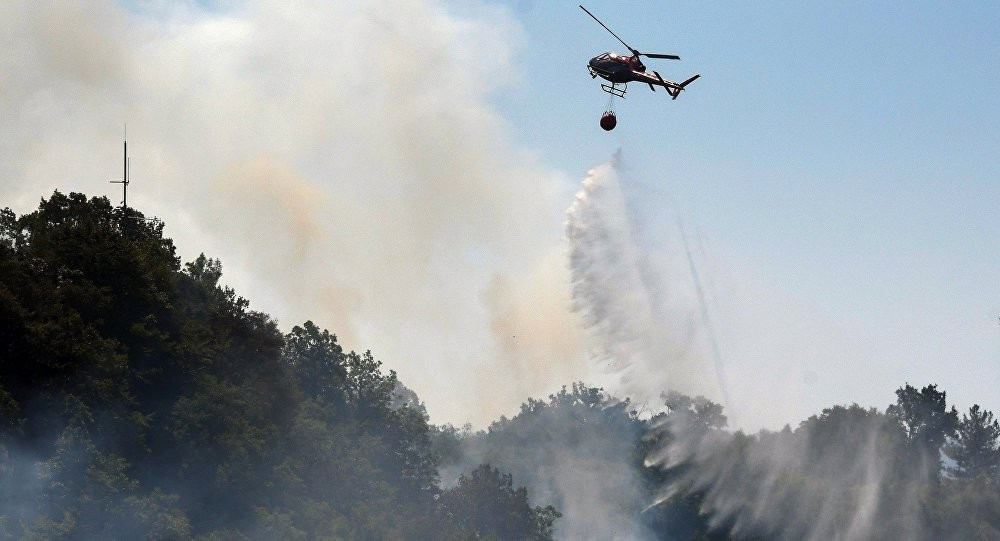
<point x="344" y="160"/>
<point x="575" y="456"/>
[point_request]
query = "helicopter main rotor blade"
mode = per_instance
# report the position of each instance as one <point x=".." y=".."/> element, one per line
<point x="609" y="30"/>
<point x="656" y="55"/>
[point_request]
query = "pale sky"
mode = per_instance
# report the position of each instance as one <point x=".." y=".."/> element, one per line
<point x="400" y="171"/>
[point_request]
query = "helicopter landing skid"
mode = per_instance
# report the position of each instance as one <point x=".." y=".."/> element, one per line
<point x="614" y="89"/>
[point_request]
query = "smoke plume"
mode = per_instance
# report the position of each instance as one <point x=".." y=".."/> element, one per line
<point x="344" y="160"/>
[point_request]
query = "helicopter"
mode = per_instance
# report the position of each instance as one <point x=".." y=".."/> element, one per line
<point x="620" y="70"/>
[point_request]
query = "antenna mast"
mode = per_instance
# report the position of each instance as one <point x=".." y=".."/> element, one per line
<point x="124" y="180"/>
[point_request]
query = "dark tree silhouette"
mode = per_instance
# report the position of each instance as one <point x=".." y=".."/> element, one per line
<point x="927" y="423"/>
<point x="486" y="502"/>
<point x="976" y="449"/>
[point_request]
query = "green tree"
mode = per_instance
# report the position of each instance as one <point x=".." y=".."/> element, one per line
<point x="976" y="447"/>
<point x="317" y="362"/>
<point x="485" y="502"/>
<point x="927" y="423"/>
<point x="698" y="413"/>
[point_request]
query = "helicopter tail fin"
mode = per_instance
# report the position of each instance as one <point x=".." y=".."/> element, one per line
<point x="677" y="91"/>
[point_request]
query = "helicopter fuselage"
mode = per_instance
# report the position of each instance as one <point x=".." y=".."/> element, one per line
<point x="615" y="67"/>
<point x="620" y="69"/>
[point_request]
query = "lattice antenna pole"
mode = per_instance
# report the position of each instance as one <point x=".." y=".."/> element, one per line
<point x="124" y="180"/>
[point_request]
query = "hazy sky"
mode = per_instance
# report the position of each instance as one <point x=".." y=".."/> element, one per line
<point x="400" y="171"/>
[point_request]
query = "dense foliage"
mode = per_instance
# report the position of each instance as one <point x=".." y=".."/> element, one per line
<point x="139" y="399"/>
<point x="142" y="401"/>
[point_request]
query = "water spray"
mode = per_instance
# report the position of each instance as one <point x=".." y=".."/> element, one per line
<point x="706" y="320"/>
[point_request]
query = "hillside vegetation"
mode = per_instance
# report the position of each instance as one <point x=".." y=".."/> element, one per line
<point x="142" y="400"/>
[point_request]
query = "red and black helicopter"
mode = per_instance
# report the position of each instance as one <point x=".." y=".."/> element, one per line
<point x="620" y="70"/>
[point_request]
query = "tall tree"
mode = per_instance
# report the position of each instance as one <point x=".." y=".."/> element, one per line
<point x="486" y="502"/>
<point x="976" y="449"/>
<point x="927" y="422"/>
<point x="317" y="362"/>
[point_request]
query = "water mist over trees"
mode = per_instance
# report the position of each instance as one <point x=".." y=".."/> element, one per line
<point x="847" y="473"/>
